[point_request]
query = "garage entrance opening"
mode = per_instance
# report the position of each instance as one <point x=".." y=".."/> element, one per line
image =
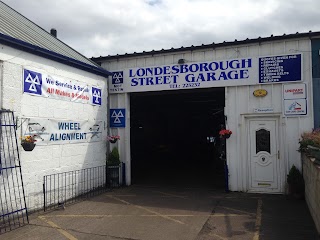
<point x="175" y="137"/>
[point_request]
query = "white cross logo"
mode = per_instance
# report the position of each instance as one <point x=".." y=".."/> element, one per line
<point x="117" y="77"/>
<point x="96" y="94"/>
<point x="117" y="116"/>
<point x="33" y="82"/>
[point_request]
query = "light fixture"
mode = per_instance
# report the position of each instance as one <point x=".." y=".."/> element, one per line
<point x="181" y="61"/>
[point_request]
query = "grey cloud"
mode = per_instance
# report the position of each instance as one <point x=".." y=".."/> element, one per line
<point x="111" y="27"/>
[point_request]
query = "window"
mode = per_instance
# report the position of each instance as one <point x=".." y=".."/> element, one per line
<point x="263" y="141"/>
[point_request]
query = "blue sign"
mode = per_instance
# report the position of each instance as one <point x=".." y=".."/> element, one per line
<point x="285" y="68"/>
<point x="32" y="82"/>
<point x="96" y="96"/>
<point x="117" y="77"/>
<point x="118" y="118"/>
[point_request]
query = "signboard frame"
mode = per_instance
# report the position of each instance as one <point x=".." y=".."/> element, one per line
<point x="117" y="117"/>
<point x="295" y="101"/>
<point x="206" y="74"/>
<point x="41" y="84"/>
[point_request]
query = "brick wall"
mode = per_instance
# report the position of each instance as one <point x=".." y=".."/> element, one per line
<point x="49" y="159"/>
<point x="311" y="174"/>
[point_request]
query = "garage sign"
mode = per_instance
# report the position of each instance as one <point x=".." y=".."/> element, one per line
<point x="53" y="131"/>
<point x="295" y="99"/>
<point x="118" y="118"/>
<point x="44" y="85"/>
<point x="294" y="91"/>
<point x="217" y="73"/>
<point x="295" y="107"/>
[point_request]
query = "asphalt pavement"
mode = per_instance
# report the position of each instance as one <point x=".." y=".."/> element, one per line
<point x="142" y="212"/>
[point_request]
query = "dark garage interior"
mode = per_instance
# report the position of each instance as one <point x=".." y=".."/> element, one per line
<point x="175" y="137"/>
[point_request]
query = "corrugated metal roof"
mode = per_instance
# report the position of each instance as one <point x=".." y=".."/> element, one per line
<point x="236" y="42"/>
<point x="15" y="25"/>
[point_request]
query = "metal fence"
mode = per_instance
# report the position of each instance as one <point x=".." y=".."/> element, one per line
<point x="69" y="187"/>
<point x="13" y="210"/>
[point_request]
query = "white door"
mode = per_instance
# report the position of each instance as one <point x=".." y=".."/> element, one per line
<point x="263" y="154"/>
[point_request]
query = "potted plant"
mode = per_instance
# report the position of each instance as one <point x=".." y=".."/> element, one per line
<point x="309" y="139"/>
<point x="295" y="183"/>
<point x="113" y="138"/>
<point x="310" y="145"/>
<point x="314" y="153"/>
<point x="113" y="166"/>
<point x="28" y="142"/>
<point x="225" y="133"/>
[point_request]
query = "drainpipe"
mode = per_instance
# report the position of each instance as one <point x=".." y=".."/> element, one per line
<point x="1" y="85"/>
<point x="108" y="129"/>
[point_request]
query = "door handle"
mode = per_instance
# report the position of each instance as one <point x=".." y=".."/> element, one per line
<point x="278" y="154"/>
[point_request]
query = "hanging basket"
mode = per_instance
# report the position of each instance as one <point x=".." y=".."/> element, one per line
<point x="225" y="136"/>
<point x="28" y="146"/>
<point x="225" y="133"/>
<point x="113" y="140"/>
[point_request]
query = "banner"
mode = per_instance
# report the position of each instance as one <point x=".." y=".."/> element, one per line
<point x="49" y="86"/>
<point x="53" y="131"/>
<point x="217" y="73"/>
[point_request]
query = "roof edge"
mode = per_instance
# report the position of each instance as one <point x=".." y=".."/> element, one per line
<point x="309" y="34"/>
<point x="42" y="52"/>
<point x="46" y="32"/>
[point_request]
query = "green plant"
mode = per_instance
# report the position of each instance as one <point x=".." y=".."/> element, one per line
<point x="224" y="132"/>
<point x="309" y="139"/>
<point x="113" y="157"/>
<point x="294" y="175"/>
<point x="28" y="139"/>
<point x="113" y="138"/>
<point x="295" y="181"/>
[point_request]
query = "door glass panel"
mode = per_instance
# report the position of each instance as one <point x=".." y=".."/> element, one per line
<point x="263" y="141"/>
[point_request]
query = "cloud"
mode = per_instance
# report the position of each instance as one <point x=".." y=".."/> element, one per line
<point x="100" y="27"/>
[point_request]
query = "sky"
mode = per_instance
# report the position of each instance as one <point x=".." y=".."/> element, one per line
<point x="108" y="27"/>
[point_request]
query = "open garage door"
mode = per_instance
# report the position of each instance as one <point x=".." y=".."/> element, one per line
<point x="174" y="137"/>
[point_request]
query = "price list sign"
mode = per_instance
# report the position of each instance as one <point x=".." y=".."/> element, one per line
<point x="286" y="68"/>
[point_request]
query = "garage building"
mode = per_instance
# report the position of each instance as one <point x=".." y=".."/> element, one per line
<point x="169" y="106"/>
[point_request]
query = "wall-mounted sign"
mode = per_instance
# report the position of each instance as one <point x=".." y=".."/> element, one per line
<point x="294" y="91"/>
<point x="263" y="110"/>
<point x="118" y="118"/>
<point x="217" y="73"/>
<point x="53" y="131"/>
<point x="295" y="107"/>
<point x="295" y="99"/>
<point x="260" y="93"/>
<point x="285" y="68"/>
<point x="117" y="82"/>
<point x="40" y="84"/>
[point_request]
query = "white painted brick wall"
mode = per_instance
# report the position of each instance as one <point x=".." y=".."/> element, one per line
<point x="45" y="160"/>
